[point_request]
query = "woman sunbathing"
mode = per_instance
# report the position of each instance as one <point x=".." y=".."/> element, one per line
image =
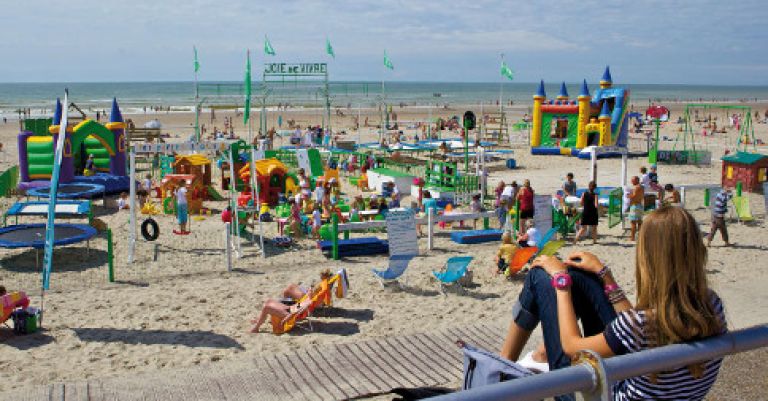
<point x="294" y="298"/>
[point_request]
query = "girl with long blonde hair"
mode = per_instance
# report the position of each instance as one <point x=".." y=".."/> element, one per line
<point x="674" y="305"/>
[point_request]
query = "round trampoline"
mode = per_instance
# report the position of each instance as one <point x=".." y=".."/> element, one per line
<point x="33" y="235"/>
<point x="69" y="191"/>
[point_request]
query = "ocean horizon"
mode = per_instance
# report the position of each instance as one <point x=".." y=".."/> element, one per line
<point x="180" y="95"/>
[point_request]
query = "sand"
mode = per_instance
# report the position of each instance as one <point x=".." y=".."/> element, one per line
<point x="185" y="309"/>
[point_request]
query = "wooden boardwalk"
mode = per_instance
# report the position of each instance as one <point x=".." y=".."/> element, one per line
<point x="327" y="372"/>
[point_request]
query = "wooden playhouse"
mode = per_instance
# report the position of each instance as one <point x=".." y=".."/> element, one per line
<point x="196" y="191"/>
<point x="750" y="169"/>
<point x="196" y="164"/>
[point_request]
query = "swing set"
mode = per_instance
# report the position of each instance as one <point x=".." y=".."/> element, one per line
<point x="688" y="154"/>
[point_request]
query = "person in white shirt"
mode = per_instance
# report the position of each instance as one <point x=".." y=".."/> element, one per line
<point x="181" y="208"/>
<point x="531" y="236"/>
<point x="122" y="202"/>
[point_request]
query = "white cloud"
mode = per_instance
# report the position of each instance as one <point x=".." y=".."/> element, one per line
<point x="151" y="39"/>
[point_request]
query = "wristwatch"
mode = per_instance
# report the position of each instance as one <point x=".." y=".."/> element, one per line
<point x="561" y="281"/>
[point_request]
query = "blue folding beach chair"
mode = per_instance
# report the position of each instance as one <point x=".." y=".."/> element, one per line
<point x="396" y="268"/>
<point x="455" y="268"/>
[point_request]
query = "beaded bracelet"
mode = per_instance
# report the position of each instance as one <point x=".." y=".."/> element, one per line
<point x="617" y="296"/>
<point x="605" y="270"/>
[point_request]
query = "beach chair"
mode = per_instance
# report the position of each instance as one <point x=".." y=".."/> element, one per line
<point x="742" y="208"/>
<point x="396" y="268"/>
<point x="317" y="297"/>
<point x="521" y="258"/>
<point x="547" y="246"/>
<point x="455" y="268"/>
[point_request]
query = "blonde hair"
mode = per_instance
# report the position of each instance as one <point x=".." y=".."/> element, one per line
<point x="671" y="279"/>
<point x="506" y="238"/>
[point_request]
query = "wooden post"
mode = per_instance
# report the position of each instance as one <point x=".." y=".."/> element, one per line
<point x="430" y="229"/>
<point x="228" y="245"/>
<point x="335" y="239"/>
<point x="110" y="257"/>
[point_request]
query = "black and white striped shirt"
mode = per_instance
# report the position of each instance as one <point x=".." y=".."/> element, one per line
<point x="627" y="334"/>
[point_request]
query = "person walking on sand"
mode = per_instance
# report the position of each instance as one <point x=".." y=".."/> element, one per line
<point x="719" y="210"/>
<point x="589" y="215"/>
<point x="636" y="198"/>
<point x="525" y="196"/>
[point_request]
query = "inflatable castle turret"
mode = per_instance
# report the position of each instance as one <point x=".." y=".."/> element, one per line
<point x="538" y="100"/>
<point x="606" y="81"/>
<point x="116" y="124"/>
<point x="562" y="97"/>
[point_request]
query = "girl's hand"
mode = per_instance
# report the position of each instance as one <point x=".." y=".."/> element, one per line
<point x="550" y="264"/>
<point x="585" y="261"/>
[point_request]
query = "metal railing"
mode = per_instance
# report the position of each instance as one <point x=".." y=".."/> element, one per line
<point x="594" y="380"/>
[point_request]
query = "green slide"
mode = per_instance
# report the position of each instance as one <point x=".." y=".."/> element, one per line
<point x="100" y="154"/>
<point x="214" y="194"/>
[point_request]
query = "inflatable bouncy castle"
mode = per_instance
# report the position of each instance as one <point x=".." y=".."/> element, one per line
<point x="562" y="126"/>
<point x="105" y="142"/>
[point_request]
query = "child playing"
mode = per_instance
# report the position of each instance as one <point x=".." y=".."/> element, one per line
<point x="181" y="208"/>
<point x="317" y="222"/>
<point x="295" y="220"/>
<point x="505" y="254"/>
<point x="475" y="207"/>
<point x="122" y="202"/>
<point x="146" y="187"/>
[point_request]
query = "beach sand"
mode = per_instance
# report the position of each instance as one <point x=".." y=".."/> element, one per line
<point x="185" y="309"/>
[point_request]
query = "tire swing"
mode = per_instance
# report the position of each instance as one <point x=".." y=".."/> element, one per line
<point x="150" y="225"/>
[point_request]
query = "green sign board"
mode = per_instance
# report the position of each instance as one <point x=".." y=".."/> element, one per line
<point x="295" y="69"/>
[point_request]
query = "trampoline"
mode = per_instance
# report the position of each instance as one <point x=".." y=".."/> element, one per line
<point x="64" y="208"/>
<point x="33" y="235"/>
<point x="69" y="191"/>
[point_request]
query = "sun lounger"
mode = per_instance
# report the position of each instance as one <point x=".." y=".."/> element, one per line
<point x="397" y="266"/>
<point x="321" y="295"/>
<point x="455" y="268"/>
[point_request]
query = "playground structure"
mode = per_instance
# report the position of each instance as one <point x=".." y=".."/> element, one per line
<point x="194" y="164"/>
<point x="686" y="152"/>
<point x="196" y="192"/>
<point x="565" y="127"/>
<point x="749" y="169"/>
<point x="273" y="179"/>
<point x="88" y="138"/>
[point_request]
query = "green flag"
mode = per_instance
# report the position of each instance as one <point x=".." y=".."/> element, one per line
<point x="268" y="49"/>
<point x="329" y="48"/>
<point x="197" y="63"/>
<point x="247" y="106"/>
<point x="506" y="71"/>
<point x="388" y="62"/>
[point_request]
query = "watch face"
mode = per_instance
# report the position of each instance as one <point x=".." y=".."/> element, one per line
<point x="562" y="281"/>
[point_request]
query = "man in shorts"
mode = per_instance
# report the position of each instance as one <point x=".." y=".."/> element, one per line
<point x="636" y="199"/>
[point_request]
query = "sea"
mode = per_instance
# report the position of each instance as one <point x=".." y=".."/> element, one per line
<point x="136" y="97"/>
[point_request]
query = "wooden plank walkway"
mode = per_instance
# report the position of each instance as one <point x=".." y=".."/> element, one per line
<point x="327" y="372"/>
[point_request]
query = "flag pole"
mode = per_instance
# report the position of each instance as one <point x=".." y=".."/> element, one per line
<point x="501" y="89"/>
<point x="197" y="100"/>
<point x="383" y="105"/>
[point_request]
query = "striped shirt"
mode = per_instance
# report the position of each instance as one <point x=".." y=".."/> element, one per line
<point x="627" y="334"/>
<point x="720" y="207"/>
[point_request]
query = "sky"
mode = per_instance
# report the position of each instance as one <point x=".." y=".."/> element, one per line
<point x="664" y="42"/>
